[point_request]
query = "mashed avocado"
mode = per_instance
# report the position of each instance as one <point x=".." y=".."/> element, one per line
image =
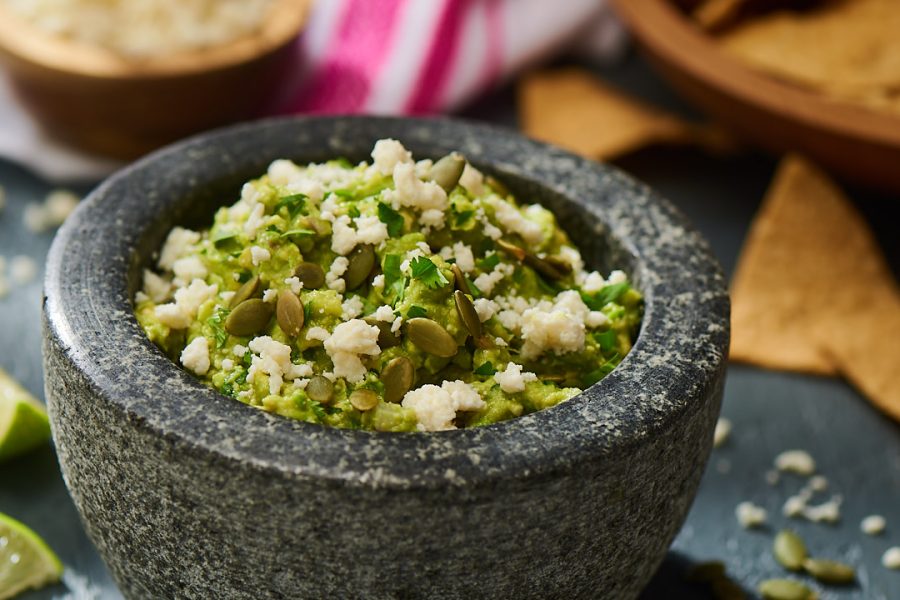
<point x="394" y="296"/>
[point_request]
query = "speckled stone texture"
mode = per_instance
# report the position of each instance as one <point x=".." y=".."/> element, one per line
<point x="188" y="494"/>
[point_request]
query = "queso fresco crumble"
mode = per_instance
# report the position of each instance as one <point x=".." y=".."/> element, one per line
<point x="394" y="296"/>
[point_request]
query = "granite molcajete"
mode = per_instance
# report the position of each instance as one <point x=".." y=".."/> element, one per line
<point x="189" y="494"/>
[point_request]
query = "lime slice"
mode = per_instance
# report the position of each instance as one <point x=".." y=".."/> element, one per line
<point x="25" y="560"/>
<point x="23" y="421"/>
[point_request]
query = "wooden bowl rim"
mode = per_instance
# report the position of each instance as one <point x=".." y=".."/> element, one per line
<point x="24" y="42"/>
<point x="668" y="33"/>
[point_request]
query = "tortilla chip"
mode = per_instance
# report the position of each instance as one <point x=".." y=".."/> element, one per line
<point x="813" y="292"/>
<point x="711" y="14"/>
<point x="573" y="109"/>
<point x="845" y="44"/>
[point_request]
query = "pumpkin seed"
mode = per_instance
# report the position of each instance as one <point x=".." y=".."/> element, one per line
<point x="320" y="389"/>
<point x="460" y="279"/>
<point x="829" y="571"/>
<point x="559" y="264"/>
<point x="364" y="399"/>
<point x="431" y="337"/>
<point x="249" y="317"/>
<point x="289" y="313"/>
<point x="398" y="377"/>
<point x="311" y="275"/>
<point x="447" y="171"/>
<point x="246" y="291"/>
<point x="512" y="250"/>
<point x="705" y="572"/>
<point x="785" y="589"/>
<point x="386" y="337"/>
<point x="468" y="314"/>
<point x="362" y="259"/>
<point x="789" y="550"/>
<point x="725" y="589"/>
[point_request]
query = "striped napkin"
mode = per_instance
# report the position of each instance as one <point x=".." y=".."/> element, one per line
<point x="382" y="57"/>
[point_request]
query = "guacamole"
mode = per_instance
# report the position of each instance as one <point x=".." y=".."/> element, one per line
<point x="391" y="296"/>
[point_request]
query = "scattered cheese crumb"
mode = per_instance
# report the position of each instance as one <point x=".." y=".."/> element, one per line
<point x="294" y="284"/>
<point x="177" y="244"/>
<point x="195" y="356"/>
<point x="512" y="379"/>
<point x="723" y="430"/>
<point x="317" y="333"/>
<point x="259" y="255"/>
<point x="387" y="154"/>
<point x="352" y="308"/>
<point x="384" y="313"/>
<point x="873" y="525"/>
<point x="157" y="289"/>
<point x="486" y="308"/>
<point x="462" y="254"/>
<point x="436" y="407"/>
<point x="345" y="345"/>
<point x="274" y="359"/>
<point x="189" y="268"/>
<point x="750" y="515"/>
<point x="227" y="364"/>
<point x="511" y="219"/>
<point x="473" y="180"/>
<point x="337" y="269"/>
<point x="796" y="461"/>
<point x="22" y="269"/>
<point x="239" y="350"/>
<point x="270" y="295"/>
<point x="891" y="558"/>
<point x="412" y="192"/>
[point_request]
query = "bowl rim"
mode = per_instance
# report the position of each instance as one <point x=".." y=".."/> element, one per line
<point x="26" y="44"/>
<point x="678" y="359"/>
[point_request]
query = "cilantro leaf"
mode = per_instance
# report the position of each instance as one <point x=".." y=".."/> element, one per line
<point x="607" y="294"/>
<point x="463" y="216"/>
<point x="601" y="371"/>
<point x="416" y="312"/>
<point x="425" y="271"/>
<point x="298" y="233"/>
<point x="606" y="339"/>
<point x="394" y="281"/>
<point x="489" y="262"/>
<point x="353" y="211"/>
<point x="391" y="218"/>
<point x="217" y="324"/>
<point x="293" y="203"/>
<point x="485" y="370"/>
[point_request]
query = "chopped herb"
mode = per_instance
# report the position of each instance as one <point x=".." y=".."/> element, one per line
<point x="425" y="271"/>
<point x="607" y="294"/>
<point x="600" y="372"/>
<point x="294" y="204"/>
<point x="391" y="218"/>
<point x="485" y="369"/>
<point x="489" y="262"/>
<point x="606" y="339"/>
<point x="242" y="378"/>
<point x="353" y="211"/>
<point x="415" y="312"/>
<point x="546" y="286"/>
<point x="318" y="410"/>
<point x="476" y="293"/>
<point x="244" y="276"/>
<point x="394" y="281"/>
<point x="307" y="311"/>
<point x="298" y="233"/>
<point x="332" y="410"/>
<point x="463" y="216"/>
<point x="217" y="323"/>
<point x="348" y="194"/>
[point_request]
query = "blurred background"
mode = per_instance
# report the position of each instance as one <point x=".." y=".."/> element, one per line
<point x="701" y="99"/>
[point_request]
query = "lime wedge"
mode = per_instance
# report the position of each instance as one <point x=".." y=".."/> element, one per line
<point x="23" y="421"/>
<point x="25" y="560"/>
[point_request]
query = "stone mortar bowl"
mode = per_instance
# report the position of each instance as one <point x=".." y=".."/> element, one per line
<point x="189" y="494"/>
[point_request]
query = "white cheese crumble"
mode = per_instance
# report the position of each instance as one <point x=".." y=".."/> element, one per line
<point x="750" y="515"/>
<point x="22" y="269"/>
<point x="410" y="191"/>
<point x="227" y="364"/>
<point x="177" y="244"/>
<point x="317" y="333"/>
<point x="157" y="289"/>
<point x="560" y="329"/>
<point x="378" y="281"/>
<point x="891" y="558"/>
<point x="873" y="525"/>
<point x="273" y="358"/>
<point x="436" y="407"/>
<point x="512" y="379"/>
<point x="239" y="350"/>
<point x="795" y="461"/>
<point x="195" y="356"/>
<point x="723" y="430"/>
<point x="270" y="295"/>
<point x="590" y="282"/>
<point x="51" y="213"/>
<point x="462" y="254"/>
<point x="347" y="342"/>
<point x="384" y="313"/>
<point x="188" y="300"/>
<point x="259" y="255"/>
<point x="188" y="269"/>
<point x="351" y="308"/>
<point x="255" y="220"/>
<point x="294" y="284"/>
<point x="616" y="277"/>
<point x="513" y="221"/>
<point x="473" y="180"/>
<point x="487" y="281"/>
<point x="486" y="308"/>
<point x="335" y="272"/>
<point x="387" y="154"/>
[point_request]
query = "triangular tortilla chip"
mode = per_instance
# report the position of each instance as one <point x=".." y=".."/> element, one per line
<point x="573" y="109"/>
<point x="812" y="291"/>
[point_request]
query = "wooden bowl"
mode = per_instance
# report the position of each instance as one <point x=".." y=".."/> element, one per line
<point x="855" y="142"/>
<point x="98" y="101"/>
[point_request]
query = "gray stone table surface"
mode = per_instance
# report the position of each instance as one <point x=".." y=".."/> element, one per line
<point x="856" y="448"/>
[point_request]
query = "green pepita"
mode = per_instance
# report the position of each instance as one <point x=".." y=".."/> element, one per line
<point x="511" y="249"/>
<point x="249" y="317"/>
<point x="398" y="378"/>
<point x="460" y="280"/>
<point x="361" y="261"/>
<point x="724" y="588"/>
<point x="785" y="589"/>
<point x="430" y="337"/>
<point x="320" y="389"/>
<point x="829" y="571"/>
<point x="447" y="171"/>
<point x="289" y="313"/>
<point x="363" y="399"/>
<point x="386" y="337"/>
<point x="789" y="550"/>
<point x="310" y="275"/>
<point x="468" y="315"/>
<point x="246" y="291"/>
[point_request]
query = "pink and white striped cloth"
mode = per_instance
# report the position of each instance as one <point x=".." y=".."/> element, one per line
<point x="427" y="56"/>
<point x="381" y="57"/>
